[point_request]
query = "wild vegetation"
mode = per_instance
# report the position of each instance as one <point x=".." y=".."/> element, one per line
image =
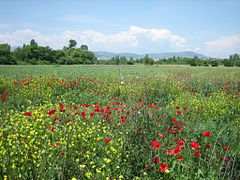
<point x="119" y="122"/>
<point x="38" y="55"/>
<point x="34" y="54"/>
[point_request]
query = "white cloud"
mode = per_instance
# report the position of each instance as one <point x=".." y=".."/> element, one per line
<point x="159" y="34"/>
<point x="222" y="47"/>
<point x="4" y="26"/>
<point x="136" y="39"/>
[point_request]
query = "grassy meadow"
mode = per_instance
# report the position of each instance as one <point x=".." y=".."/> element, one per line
<point x="119" y="122"/>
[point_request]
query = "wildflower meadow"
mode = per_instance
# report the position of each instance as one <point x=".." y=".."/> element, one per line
<point x="119" y="122"/>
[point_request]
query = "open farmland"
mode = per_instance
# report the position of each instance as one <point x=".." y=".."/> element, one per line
<point x="119" y="122"/>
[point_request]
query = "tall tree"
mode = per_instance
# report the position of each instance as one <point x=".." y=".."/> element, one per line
<point x="148" y="61"/>
<point x="33" y="43"/>
<point x="84" y="47"/>
<point x="72" y="43"/>
<point x="5" y="55"/>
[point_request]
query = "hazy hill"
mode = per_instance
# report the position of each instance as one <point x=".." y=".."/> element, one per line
<point x="109" y="55"/>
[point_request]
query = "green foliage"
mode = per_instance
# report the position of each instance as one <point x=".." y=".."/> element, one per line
<point x="33" y="43"/>
<point x="5" y="55"/>
<point x="234" y="60"/>
<point x="130" y="62"/>
<point x="40" y="55"/>
<point x="77" y="56"/>
<point x="214" y="63"/>
<point x="72" y="43"/>
<point x="84" y="47"/>
<point x="193" y="62"/>
<point x="147" y="60"/>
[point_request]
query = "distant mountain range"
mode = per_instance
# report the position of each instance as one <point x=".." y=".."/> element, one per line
<point x="109" y="55"/>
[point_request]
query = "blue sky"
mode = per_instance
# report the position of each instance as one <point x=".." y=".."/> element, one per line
<point x="211" y="27"/>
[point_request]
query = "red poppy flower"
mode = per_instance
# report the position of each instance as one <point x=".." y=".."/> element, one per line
<point x="179" y="112"/>
<point x="208" y="146"/>
<point x="28" y="114"/>
<point x="124" y="121"/>
<point x="91" y="114"/>
<point x="225" y="159"/>
<point x="52" y="129"/>
<point x="151" y="105"/>
<point x="155" y="144"/>
<point x="179" y="158"/>
<point x="227" y="148"/>
<point x="169" y="151"/>
<point x="163" y="167"/>
<point x="175" y="120"/>
<point x="160" y="135"/>
<point x="52" y="111"/>
<point x="180" y="142"/>
<point x="107" y="140"/>
<point x="205" y="133"/>
<point x="179" y="128"/>
<point x="25" y="138"/>
<point x="56" y="144"/>
<point x="177" y="150"/>
<point x="155" y="160"/>
<point x="195" y="145"/>
<point x="197" y="154"/>
<point x="75" y="107"/>
<point x="83" y="114"/>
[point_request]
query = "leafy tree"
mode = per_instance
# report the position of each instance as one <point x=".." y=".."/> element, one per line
<point x="228" y="62"/>
<point x="33" y="43"/>
<point x="84" y="47"/>
<point x="214" y="63"/>
<point x="117" y="60"/>
<point x="234" y="59"/>
<point x="148" y="61"/>
<point x="237" y="63"/>
<point x="130" y="62"/>
<point x="34" y="54"/>
<point x="195" y="61"/>
<point x="77" y="56"/>
<point x="72" y="43"/>
<point x="205" y="63"/>
<point x="5" y="55"/>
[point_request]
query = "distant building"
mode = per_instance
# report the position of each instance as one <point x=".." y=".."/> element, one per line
<point x="103" y="58"/>
<point x="159" y="59"/>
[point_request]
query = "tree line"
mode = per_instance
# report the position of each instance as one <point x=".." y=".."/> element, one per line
<point x="35" y="54"/>
<point x="234" y="60"/>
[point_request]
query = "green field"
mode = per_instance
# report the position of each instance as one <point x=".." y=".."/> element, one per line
<point x="119" y="122"/>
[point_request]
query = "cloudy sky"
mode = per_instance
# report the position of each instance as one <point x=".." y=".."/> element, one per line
<point x="211" y="27"/>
